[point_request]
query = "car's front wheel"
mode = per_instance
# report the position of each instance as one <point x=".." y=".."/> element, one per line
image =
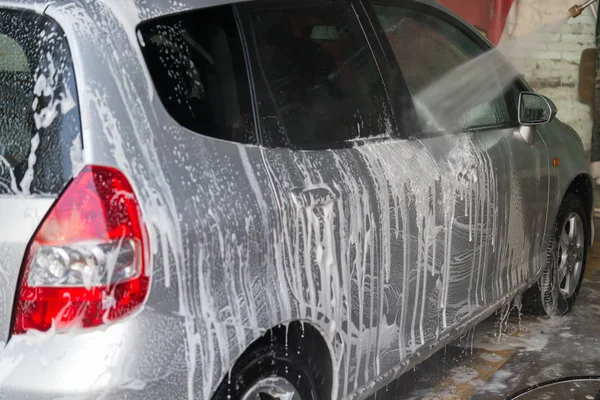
<point x="557" y="289"/>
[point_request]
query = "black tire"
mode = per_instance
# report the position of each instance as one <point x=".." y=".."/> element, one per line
<point x="545" y="297"/>
<point x="274" y="359"/>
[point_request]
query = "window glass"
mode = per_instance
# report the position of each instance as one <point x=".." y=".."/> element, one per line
<point x="428" y="50"/>
<point x="39" y="118"/>
<point x="197" y="65"/>
<point x="319" y="86"/>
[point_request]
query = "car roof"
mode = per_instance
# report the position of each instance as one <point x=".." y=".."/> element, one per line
<point x="156" y="8"/>
<point x="36" y="5"/>
<point x="148" y="9"/>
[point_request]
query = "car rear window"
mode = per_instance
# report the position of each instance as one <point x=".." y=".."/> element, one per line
<point x="197" y="65"/>
<point x="39" y="116"/>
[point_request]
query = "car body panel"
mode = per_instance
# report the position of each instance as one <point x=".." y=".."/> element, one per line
<point x="245" y="238"/>
<point x="21" y="216"/>
<point x="565" y="145"/>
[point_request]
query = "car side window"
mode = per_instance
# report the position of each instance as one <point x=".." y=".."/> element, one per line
<point x="318" y="86"/>
<point x="197" y="64"/>
<point x="427" y="49"/>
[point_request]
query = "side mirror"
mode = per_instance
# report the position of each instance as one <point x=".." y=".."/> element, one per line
<point x="535" y="109"/>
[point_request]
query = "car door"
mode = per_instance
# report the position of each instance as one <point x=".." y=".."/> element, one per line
<point x="320" y="101"/>
<point x="487" y="209"/>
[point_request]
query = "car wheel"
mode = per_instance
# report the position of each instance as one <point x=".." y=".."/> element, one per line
<point x="557" y="289"/>
<point x="271" y="372"/>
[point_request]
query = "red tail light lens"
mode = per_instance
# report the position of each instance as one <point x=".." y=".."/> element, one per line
<point x="87" y="263"/>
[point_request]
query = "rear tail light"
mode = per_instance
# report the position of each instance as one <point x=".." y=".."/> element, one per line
<point x="87" y="263"/>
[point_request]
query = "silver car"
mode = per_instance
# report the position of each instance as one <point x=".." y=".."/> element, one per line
<point x="253" y="201"/>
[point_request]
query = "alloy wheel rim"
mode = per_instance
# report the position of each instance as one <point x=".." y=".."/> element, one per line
<point x="272" y="388"/>
<point x="570" y="255"/>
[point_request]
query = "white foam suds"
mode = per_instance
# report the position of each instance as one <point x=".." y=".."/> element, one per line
<point x="535" y="338"/>
<point x="497" y="385"/>
<point x="462" y="375"/>
<point x="28" y="176"/>
<point x="491" y="357"/>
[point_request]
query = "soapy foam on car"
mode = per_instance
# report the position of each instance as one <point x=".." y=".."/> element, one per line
<point x="207" y="352"/>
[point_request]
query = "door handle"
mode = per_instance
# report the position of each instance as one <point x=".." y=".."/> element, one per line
<point x="314" y="196"/>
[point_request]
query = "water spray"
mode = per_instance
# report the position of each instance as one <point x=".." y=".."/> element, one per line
<point x="576" y="10"/>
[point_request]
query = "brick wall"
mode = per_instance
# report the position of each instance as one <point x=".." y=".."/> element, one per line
<point x="547" y="51"/>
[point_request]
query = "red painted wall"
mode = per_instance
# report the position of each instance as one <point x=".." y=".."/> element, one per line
<point x="475" y="12"/>
<point x="487" y="15"/>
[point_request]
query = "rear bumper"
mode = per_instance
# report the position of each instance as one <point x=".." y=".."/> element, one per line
<point x="142" y="357"/>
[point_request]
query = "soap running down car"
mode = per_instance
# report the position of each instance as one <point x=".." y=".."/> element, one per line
<point x="210" y="200"/>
